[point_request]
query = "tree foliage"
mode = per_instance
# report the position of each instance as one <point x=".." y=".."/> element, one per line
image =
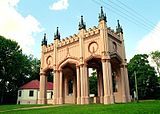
<point x="156" y="58"/>
<point x="146" y="77"/>
<point x="15" y="69"/>
<point x="93" y="83"/>
<point x="35" y="68"/>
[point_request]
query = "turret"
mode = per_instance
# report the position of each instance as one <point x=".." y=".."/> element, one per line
<point x="57" y="35"/>
<point x="44" y="41"/>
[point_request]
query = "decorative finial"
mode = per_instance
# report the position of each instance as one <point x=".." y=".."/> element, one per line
<point x="118" y="23"/>
<point x="82" y="25"/>
<point x="102" y="16"/>
<point x="44" y="41"/>
<point x="57" y="35"/>
<point x="119" y="28"/>
<point x="102" y="10"/>
<point x="81" y="18"/>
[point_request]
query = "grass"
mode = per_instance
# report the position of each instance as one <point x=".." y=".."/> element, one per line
<point x="143" y="107"/>
<point x="13" y="107"/>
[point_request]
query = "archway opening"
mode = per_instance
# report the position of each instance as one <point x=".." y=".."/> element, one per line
<point x="95" y="80"/>
<point x="69" y="87"/>
<point x="49" y="90"/>
<point x="116" y="78"/>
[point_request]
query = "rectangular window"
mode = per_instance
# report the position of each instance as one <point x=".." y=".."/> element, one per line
<point x="20" y="93"/>
<point x="31" y="93"/>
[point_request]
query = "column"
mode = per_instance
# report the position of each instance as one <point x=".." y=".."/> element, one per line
<point x="78" y="86"/>
<point x="43" y="92"/>
<point x="74" y="90"/>
<point x="105" y="83"/>
<point x="57" y="87"/>
<point x="60" y="87"/>
<point x="66" y="85"/>
<point x="123" y="85"/>
<point x="101" y="86"/>
<point x="109" y="70"/>
<point x="127" y="83"/>
<point x="54" y="87"/>
<point x="86" y="84"/>
<point x="82" y="83"/>
<point x="98" y="85"/>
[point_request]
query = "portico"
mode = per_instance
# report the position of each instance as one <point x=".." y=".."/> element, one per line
<point x="70" y="58"/>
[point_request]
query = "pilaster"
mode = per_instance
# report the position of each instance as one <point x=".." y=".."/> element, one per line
<point x="55" y="53"/>
<point x="81" y="43"/>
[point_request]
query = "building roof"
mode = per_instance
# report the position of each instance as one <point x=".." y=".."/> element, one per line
<point x="34" y="84"/>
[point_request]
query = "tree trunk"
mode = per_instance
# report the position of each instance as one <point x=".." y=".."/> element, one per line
<point x="158" y="71"/>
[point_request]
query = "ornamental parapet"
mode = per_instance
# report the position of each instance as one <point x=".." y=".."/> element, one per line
<point x="112" y="33"/>
<point x="92" y="31"/>
<point x="68" y="40"/>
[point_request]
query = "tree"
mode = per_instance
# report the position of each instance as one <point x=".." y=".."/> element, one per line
<point x="93" y="83"/>
<point x="146" y="77"/>
<point x="15" y="69"/>
<point x="156" y="58"/>
<point x="35" y="68"/>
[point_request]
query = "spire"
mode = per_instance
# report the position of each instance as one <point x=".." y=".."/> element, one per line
<point x="119" y="28"/>
<point x="44" y="41"/>
<point x="102" y="15"/>
<point x="57" y="35"/>
<point x="82" y="25"/>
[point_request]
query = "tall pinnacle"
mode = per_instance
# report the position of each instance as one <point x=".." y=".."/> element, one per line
<point x="119" y="28"/>
<point x="102" y="15"/>
<point x="57" y="35"/>
<point x="44" y="41"/>
<point x="82" y="25"/>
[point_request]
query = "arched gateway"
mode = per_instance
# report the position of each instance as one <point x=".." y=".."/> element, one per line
<point x="69" y="59"/>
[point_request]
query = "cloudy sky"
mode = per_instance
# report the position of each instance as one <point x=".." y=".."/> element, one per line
<point x="25" y="21"/>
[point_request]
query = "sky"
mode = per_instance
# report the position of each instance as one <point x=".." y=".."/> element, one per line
<point x="26" y="21"/>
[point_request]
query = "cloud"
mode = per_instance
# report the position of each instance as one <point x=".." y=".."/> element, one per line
<point x="150" y="42"/>
<point x="17" y="27"/>
<point x="59" y="5"/>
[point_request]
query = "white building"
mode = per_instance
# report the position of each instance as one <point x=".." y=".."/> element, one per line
<point x="29" y="93"/>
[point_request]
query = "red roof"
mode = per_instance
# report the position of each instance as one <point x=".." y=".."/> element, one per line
<point x="34" y="84"/>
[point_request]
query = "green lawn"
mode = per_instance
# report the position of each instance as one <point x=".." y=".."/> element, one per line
<point x="143" y="107"/>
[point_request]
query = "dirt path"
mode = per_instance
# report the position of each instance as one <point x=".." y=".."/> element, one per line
<point x="28" y="108"/>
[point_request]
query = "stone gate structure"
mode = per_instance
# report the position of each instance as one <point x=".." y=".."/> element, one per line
<point x="100" y="48"/>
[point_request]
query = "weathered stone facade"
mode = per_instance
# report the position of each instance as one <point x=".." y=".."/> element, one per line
<point x="69" y="59"/>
